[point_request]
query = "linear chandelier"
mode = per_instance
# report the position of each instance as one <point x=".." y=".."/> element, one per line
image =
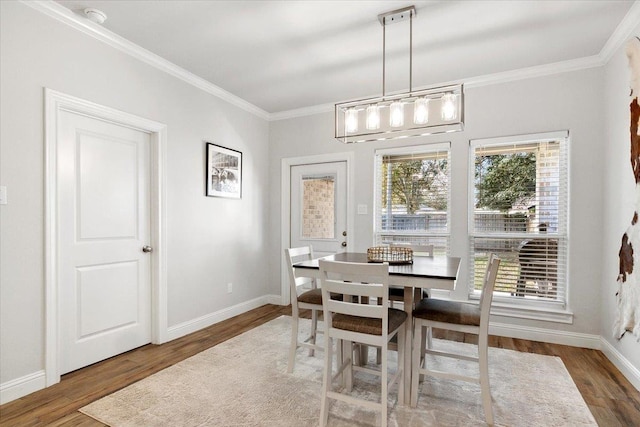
<point x="413" y="113"/>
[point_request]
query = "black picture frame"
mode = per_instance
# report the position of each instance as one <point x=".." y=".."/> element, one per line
<point x="224" y="172"/>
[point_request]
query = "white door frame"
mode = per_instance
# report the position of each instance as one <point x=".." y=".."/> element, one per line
<point x="285" y="209"/>
<point x="56" y="102"/>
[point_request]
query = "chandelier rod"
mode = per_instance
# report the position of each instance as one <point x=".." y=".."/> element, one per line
<point x="384" y="51"/>
<point x="383" y="21"/>
<point x="410" y="51"/>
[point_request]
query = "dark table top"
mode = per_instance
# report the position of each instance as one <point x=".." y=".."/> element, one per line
<point x="436" y="267"/>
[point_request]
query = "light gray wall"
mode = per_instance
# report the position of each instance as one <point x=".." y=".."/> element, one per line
<point x="619" y="195"/>
<point x="210" y="241"/>
<point x="568" y="101"/>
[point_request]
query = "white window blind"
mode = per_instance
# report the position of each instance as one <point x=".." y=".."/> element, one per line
<point x="412" y="196"/>
<point x="518" y="210"/>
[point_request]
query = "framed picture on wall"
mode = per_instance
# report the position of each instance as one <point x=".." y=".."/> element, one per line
<point x="224" y="172"/>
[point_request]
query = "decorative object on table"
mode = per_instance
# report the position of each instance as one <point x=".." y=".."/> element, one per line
<point x="413" y="113"/>
<point x="224" y="172"/>
<point x="390" y="254"/>
<point x="628" y="316"/>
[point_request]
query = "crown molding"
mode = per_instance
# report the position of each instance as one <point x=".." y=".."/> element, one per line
<point x="64" y="15"/>
<point x="622" y="32"/>
<point x="535" y="71"/>
<point x="301" y="112"/>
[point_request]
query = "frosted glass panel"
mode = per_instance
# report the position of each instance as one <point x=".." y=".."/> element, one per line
<point x="318" y="213"/>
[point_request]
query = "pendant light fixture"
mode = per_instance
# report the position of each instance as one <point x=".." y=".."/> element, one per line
<point x="413" y="113"/>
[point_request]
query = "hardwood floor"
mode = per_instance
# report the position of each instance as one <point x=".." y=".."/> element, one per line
<point x="613" y="401"/>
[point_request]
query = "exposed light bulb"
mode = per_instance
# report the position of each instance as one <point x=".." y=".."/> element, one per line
<point x="449" y="107"/>
<point x="421" y="111"/>
<point x="396" y="114"/>
<point x="351" y="120"/>
<point x="373" y="117"/>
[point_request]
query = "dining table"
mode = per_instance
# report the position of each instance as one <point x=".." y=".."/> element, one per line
<point x="424" y="272"/>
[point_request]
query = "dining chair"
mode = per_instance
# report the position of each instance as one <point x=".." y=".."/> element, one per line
<point x="348" y="322"/>
<point x="462" y="317"/>
<point x="305" y="294"/>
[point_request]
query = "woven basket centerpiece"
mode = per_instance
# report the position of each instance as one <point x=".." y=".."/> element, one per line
<point x="390" y="254"/>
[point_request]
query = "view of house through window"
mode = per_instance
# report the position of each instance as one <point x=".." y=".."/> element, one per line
<point x="412" y="196"/>
<point x="519" y="212"/>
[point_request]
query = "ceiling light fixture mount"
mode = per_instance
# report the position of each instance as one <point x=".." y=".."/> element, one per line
<point x="413" y="113"/>
<point x="95" y="15"/>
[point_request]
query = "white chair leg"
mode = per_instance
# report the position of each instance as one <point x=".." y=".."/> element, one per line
<point x="348" y="372"/>
<point x="314" y="329"/>
<point x="425" y="332"/>
<point x="384" y="392"/>
<point x="483" y="359"/>
<point x="401" y="358"/>
<point x="294" y="342"/>
<point x="415" y="362"/>
<point x="326" y="381"/>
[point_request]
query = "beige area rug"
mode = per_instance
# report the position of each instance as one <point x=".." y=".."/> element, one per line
<point x="243" y="382"/>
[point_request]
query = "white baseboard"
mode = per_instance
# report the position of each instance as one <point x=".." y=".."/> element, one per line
<point x="15" y="389"/>
<point x="194" y="325"/>
<point x="275" y="300"/>
<point x="27" y="384"/>
<point x="573" y="339"/>
<point x="628" y="370"/>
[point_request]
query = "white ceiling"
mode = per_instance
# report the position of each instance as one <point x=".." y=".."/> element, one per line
<point x="287" y="55"/>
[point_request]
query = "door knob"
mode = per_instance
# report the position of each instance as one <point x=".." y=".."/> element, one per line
<point x="344" y="233"/>
<point x="147" y="249"/>
<point x="344" y="244"/>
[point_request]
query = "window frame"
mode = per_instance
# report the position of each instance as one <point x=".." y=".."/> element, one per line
<point x="377" y="202"/>
<point x="530" y="308"/>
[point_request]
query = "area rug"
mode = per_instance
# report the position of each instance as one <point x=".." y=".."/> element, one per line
<point x="243" y="382"/>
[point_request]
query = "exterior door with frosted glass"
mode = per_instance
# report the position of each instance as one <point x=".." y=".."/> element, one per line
<point x="319" y="207"/>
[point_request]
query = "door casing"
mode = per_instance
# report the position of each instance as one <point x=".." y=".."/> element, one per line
<point x="55" y="102"/>
<point x="285" y="209"/>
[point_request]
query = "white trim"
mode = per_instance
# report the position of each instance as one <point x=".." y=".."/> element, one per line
<point x="622" y="363"/>
<point x="302" y="112"/>
<point x="622" y="32"/>
<point x="15" y="389"/>
<point x="411" y="149"/>
<point x="207" y="320"/>
<point x="573" y="339"/>
<point x="285" y="206"/>
<point x="66" y="16"/>
<point x="54" y="103"/>
<point x="531" y="312"/>
<point x="513" y="139"/>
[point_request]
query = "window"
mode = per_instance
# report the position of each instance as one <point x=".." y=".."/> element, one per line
<point x="412" y="196"/>
<point x="519" y="211"/>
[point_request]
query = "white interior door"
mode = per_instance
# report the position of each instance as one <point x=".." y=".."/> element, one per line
<point x="319" y="207"/>
<point x="103" y="186"/>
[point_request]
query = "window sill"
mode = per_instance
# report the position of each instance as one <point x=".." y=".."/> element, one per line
<point x="535" y="313"/>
